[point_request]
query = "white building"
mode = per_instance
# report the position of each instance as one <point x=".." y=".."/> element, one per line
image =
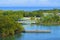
<point x="46" y="14"/>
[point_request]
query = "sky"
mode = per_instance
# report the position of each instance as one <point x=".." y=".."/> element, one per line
<point x="29" y="3"/>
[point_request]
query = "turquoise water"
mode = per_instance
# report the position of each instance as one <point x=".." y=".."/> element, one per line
<point x="54" y="35"/>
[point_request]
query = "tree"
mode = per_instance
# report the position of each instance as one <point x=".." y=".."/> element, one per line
<point x="8" y="26"/>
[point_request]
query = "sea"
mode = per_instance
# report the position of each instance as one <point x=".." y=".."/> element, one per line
<point x="28" y="8"/>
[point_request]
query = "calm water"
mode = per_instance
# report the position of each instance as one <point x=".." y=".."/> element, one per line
<point x="27" y="8"/>
<point x="54" y="35"/>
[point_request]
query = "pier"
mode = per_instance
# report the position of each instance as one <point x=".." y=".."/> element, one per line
<point x="37" y="31"/>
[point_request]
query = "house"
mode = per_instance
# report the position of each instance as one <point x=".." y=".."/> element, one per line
<point x="46" y="14"/>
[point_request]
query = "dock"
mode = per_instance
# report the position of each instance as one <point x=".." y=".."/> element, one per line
<point x="37" y="31"/>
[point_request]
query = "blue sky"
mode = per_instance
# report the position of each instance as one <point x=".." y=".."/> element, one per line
<point x="29" y="3"/>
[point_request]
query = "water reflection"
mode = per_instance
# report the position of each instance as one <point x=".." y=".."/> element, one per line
<point x="54" y="35"/>
<point x="14" y="37"/>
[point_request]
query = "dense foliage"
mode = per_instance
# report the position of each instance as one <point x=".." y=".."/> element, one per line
<point x="9" y="26"/>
